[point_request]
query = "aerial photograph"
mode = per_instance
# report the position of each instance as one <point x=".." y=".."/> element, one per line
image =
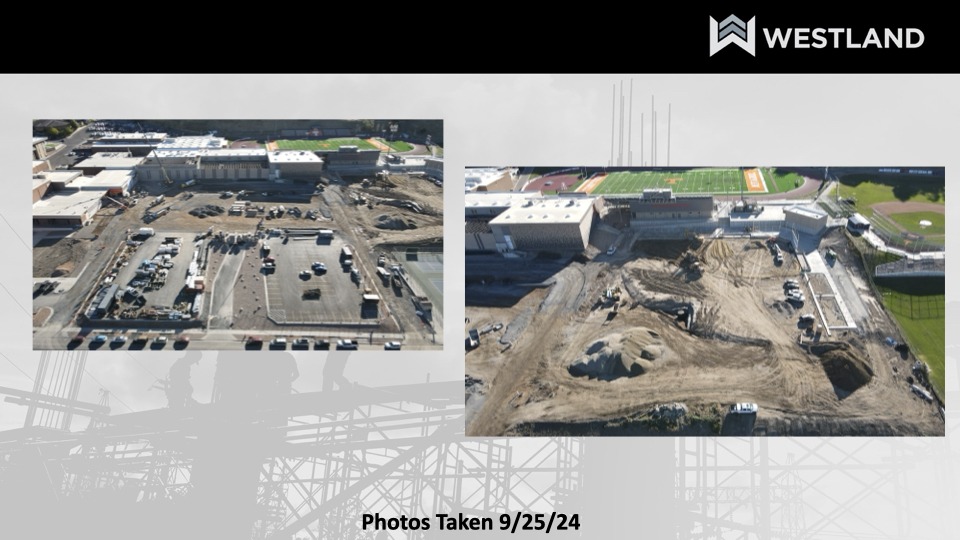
<point x="672" y="301"/>
<point x="237" y="234"/>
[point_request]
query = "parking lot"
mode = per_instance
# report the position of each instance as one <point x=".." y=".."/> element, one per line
<point x="340" y="296"/>
<point x="426" y="267"/>
<point x="166" y="295"/>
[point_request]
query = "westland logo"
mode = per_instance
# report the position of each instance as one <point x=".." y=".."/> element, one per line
<point x="743" y="34"/>
<point x="733" y="30"/>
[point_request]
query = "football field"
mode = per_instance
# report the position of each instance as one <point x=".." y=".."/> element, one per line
<point x="711" y="180"/>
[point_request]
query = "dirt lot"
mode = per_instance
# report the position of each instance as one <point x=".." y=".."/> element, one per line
<point x="742" y="347"/>
<point x="385" y="224"/>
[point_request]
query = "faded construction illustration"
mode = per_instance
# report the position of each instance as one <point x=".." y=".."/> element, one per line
<point x="737" y="301"/>
<point x="237" y="234"/>
<point x="233" y="445"/>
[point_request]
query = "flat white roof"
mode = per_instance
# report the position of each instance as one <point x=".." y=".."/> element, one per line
<point x="109" y="179"/>
<point x="554" y="210"/>
<point x="58" y="176"/>
<point x="482" y="176"/>
<point x="293" y="156"/>
<point x="39" y="139"/>
<point x="149" y="135"/>
<point x="221" y="152"/>
<point x="110" y="159"/>
<point x="67" y="204"/>
<point x="498" y="199"/>
<point x="806" y="211"/>
<point x="193" y="143"/>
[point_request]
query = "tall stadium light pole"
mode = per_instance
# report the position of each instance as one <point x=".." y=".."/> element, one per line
<point x="630" y="128"/>
<point x="641" y="141"/>
<point x="613" y="121"/>
<point x="669" y="107"/>
<point x="620" y="151"/>
<point x="653" y="134"/>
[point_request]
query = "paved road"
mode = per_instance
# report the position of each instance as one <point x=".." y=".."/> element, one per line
<point x="60" y="157"/>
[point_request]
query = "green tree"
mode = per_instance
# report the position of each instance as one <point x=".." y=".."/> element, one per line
<point x="53" y="132"/>
<point x="74" y="124"/>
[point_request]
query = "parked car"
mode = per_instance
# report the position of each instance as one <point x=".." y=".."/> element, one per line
<point x="744" y="408"/>
<point x="321" y="344"/>
<point x="391" y="346"/>
<point x="278" y="343"/>
<point x="253" y="342"/>
<point x="347" y="344"/>
<point x="795" y="295"/>
<point x="301" y="343"/>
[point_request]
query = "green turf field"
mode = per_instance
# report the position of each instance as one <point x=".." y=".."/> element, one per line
<point x="911" y="222"/>
<point x="779" y="181"/>
<point x="323" y="144"/>
<point x="868" y="190"/>
<point x="398" y="146"/>
<point x="708" y="180"/>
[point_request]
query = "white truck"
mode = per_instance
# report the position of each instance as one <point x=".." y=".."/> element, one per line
<point x="146" y="231"/>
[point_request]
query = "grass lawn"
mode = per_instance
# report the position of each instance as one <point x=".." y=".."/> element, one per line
<point x="922" y="319"/>
<point x="918" y="306"/>
<point x="911" y="222"/>
<point x="398" y="146"/>
<point x="868" y="190"/>
<point x="779" y="182"/>
<point x="323" y="144"/>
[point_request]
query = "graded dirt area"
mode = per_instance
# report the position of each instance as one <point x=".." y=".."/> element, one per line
<point x="399" y="209"/>
<point x="745" y="344"/>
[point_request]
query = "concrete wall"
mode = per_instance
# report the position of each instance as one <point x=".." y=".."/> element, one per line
<point x="481" y="242"/>
<point x="678" y="208"/>
<point x="805" y="224"/>
<point x="309" y="170"/>
<point x="504" y="183"/>
<point x="545" y="236"/>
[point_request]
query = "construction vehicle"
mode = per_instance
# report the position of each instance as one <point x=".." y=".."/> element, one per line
<point x="610" y="294"/>
<point x="166" y="178"/>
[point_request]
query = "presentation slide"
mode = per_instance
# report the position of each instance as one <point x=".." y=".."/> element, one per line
<point x="696" y="305"/>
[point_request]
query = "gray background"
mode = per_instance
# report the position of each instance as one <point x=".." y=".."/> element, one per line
<point x="654" y="488"/>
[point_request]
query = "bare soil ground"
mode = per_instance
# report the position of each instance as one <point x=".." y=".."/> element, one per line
<point x="742" y="346"/>
<point x="385" y="221"/>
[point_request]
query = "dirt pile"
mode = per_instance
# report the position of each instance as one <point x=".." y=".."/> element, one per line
<point x="58" y="257"/>
<point x="394" y="223"/>
<point x="628" y="354"/>
<point x="671" y="250"/>
<point x="845" y="366"/>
